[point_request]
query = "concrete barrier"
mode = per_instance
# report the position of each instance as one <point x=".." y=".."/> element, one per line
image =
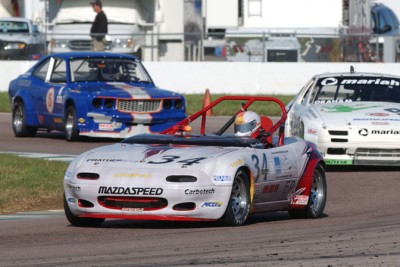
<point x="227" y="77"/>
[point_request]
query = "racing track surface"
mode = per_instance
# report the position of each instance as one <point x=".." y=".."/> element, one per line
<point x="361" y="227"/>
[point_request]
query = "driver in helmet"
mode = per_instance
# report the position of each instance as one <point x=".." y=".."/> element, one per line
<point x="247" y="123"/>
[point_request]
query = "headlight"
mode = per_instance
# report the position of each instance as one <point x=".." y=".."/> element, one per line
<point x="123" y="43"/>
<point x="59" y="43"/>
<point x="13" y="46"/>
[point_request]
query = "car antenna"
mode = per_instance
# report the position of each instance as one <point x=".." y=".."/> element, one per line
<point x="351" y="69"/>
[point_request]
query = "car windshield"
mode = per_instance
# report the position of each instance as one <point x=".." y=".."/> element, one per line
<point x="107" y="70"/>
<point x="14" y="27"/>
<point x="362" y="88"/>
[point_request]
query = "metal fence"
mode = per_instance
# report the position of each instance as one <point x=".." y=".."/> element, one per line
<point x="248" y="47"/>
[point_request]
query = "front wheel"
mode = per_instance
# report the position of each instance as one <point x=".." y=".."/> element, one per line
<point x="238" y="207"/>
<point x="316" y="201"/>
<point x="70" y="128"/>
<point x="19" y="121"/>
<point x="82" y="222"/>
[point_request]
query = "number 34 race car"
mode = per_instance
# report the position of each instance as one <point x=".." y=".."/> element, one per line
<point x="182" y="176"/>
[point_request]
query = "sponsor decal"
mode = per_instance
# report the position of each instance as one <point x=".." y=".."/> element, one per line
<point x="105" y="127"/>
<point x="222" y="178"/>
<point x="68" y="174"/>
<point x="312" y="131"/>
<point x="74" y="187"/>
<point x="239" y="162"/>
<point x="81" y="120"/>
<point x="379" y="123"/>
<point x="132" y="191"/>
<point x="347" y="109"/>
<point x="132" y="175"/>
<point x="375" y="119"/>
<point x="50" y="100"/>
<point x="289" y="186"/>
<point x="71" y="200"/>
<point x="212" y="204"/>
<point x="366" y="132"/>
<point x="57" y="120"/>
<point x="59" y="98"/>
<point x="339" y="161"/>
<point x="278" y="167"/>
<point x="133" y="209"/>
<point x="330" y="101"/>
<point x="299" y="200"/>
<point x="105" y="160"/>
<point x="200" y="191"/>
<point x="377" y="114"/>
<point x="272" y="188"/>
<point x="377" y="81"/>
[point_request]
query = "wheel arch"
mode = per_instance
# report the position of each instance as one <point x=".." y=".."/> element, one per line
<point x="250" y="176"/>
<point x="31" y="117"/>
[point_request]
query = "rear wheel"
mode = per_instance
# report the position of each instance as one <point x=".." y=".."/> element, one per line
<point x="82" y="222"/>
<point x="238" y="207"/>
<point x="70" y="128"/>
<point x="19" y="121"/>
<point x="317" y="199"/>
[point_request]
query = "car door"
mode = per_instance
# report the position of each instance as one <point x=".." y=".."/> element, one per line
<point x="52" y="75"/>
<point x="277" y="173"/>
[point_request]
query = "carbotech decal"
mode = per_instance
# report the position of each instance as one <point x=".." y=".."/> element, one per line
<point x="200" y="191"/>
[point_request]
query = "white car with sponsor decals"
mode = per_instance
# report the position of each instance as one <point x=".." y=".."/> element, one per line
<point x="354" y="117"/>
<point x="179" y="175"/>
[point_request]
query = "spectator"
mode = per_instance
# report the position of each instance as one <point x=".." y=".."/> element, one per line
<point x="99" y="27"/>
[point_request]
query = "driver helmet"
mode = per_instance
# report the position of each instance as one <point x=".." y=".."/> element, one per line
<point x="247" y="123"/>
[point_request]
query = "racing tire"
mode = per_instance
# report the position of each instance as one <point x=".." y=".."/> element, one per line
<point x="238" y="207"/>
<point x="316" y="202"/>
<point x="81" y="222"/>
<point x="70" y="128"/>
<point x="19" y="121"/>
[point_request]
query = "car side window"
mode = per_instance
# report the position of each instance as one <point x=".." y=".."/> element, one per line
<point x="308" y="89"/>
<point x="59" y="72"/>
<point x="41" y="71"/>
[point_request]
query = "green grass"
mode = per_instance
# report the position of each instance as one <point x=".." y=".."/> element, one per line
<point x="30" y="184"/>
<point x="194" y="102"/>
<point x="4" y="102"/>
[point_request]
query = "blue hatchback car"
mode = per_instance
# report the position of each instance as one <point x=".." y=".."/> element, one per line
<point x="95" y="94"/>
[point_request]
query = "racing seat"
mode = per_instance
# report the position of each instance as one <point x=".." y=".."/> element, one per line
<point x="266" y="124"/>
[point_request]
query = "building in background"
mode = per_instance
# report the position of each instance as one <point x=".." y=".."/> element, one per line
<point x="176" y="30"/>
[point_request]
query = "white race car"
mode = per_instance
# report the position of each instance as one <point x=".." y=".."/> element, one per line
<point x="354" y="118"/>
<point x="182" y="176"/>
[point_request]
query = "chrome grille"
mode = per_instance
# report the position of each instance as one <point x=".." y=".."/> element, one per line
<point x="142" y="105"/>
<point x="84" y="45"/>
<point x="80" y="45"/>
<point x="377" y="156"/>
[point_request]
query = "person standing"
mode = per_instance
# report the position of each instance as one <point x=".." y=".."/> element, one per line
<point x="99" y="27"/>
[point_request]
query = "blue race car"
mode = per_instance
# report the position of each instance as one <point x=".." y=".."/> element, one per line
<point x="93" y="94"/>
